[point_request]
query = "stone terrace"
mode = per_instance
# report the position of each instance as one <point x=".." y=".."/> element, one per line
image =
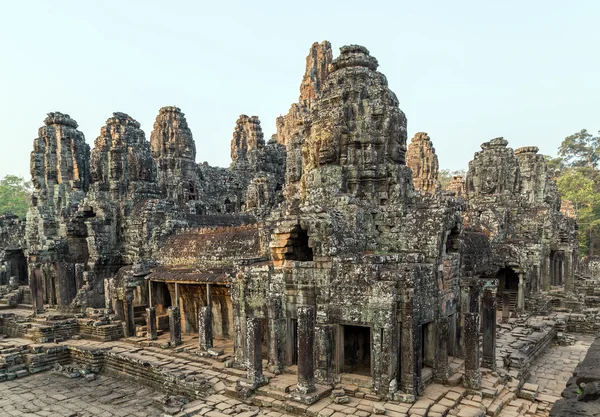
<point x="210" y="385"/>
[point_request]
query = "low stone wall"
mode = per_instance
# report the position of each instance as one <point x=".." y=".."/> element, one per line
<point x="588" y="321"/>
<point x="21" y="360"/>
<point x="581" y="397"/>
<point x="91" y="329"/>
<point x="520" y="342"/>
<point x="52" y="328"/>
<point x="13" y="325"/>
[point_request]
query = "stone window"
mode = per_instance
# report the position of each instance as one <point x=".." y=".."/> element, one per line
<point x="192" y="191"/>
<point x="298" y="242"/>
<point x="229" y="208"/>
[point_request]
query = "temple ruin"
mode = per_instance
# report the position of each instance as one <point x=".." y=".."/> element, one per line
<point x="325" y="265"/>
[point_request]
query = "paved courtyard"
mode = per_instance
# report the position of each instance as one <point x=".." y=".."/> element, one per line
<point x="47" y="394"/>
<point x="554" y="367"/>
<point x="52" y="395"/>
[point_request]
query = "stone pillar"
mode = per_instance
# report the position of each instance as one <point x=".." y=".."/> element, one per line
<point x="520" y="294"/>
<point x="472" y="377"/>
<point x="151" y="323"/>
<point x="175" y="325"/>
<point x="254" y="352"/>
<point x="150" y="294"/>
<point x="547" y="272"/>
<point x="489" y="326"/>
<point x="128" y="315"/>
<point x="177" y="294"/>
<point x="410" y="376"/>
<point x="441" y="369"/>
<point x="36" y="286"/>
<point x="306" y="343"/>
<point x="505" y="307"/>
<point x="277" y="326"/>
<point x="205" y="327"/>
<point x="569" y="277"/>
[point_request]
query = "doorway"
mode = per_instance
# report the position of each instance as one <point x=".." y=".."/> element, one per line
<point x="357" y="350"/>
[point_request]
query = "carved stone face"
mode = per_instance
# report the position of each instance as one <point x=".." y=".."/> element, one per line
<point x="328" y="149"/>
<point x="488" y="186"/>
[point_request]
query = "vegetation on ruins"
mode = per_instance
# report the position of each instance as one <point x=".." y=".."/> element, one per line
<point x="14" y="195"/>
<point x="578" y="180"/>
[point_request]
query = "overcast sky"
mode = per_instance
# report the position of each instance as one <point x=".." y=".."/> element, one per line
<point x="464" y="71"/>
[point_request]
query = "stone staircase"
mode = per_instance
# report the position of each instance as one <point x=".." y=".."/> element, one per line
<point x="15" y="297"/>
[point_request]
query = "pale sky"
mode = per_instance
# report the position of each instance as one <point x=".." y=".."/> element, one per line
<point x="464" y="71"/>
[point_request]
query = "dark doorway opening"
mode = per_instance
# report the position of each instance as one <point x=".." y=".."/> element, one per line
<point x="508" y="279"/>
<point x="298" y="242"/>
<point x="357" y="350"/>
<point x="453" y="241"/>
<point x="17" y="265"/>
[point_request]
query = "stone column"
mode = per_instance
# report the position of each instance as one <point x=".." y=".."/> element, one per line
<point x="569" y="277"/>
<point x="505" y="307"/>
<point x="306" y="343"/>
<point x="489" y="326"/>
<point x="324" y="355"/>
<point x="36" y="286"/>
<point x="177" y="294"/>
<point x="128" y="315"/>
<point x="472" y="377"/>
<point x="150" y="294"/>
<point x="520" y="294"/>
<point x="151" y="323"/>
<point x="175" y="325"/>
<point x="277" y="327"/>
<point x="441" y="370"/>
<point x="545" y="272"/>
<point x="254" y="352"/>
<point x="410" y="376"/>
<point x="205" y="327"/>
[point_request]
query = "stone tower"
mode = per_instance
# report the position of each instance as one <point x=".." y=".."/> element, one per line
<point x="60" y="173"/>
<point x="355" y="144"/>
<point x="121" y="161"/>
<point x="318" y="60"/>
<point x="174" y="150"/>
<point x="422" y="160"/>
<point x="247" y="143"/>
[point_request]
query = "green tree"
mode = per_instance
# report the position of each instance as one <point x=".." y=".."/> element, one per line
<point x="574" y="185"/>
<point x="14" y="195"/>
<point x="581" y="149"/>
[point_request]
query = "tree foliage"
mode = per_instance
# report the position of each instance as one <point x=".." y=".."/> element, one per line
<point x="579" y="182"/>
<point x="581" y="149"/>
<point x="581" y="191"/>
<point x="14" y="195"/>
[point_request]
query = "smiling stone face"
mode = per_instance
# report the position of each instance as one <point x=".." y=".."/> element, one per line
<point x="356" y="123"/>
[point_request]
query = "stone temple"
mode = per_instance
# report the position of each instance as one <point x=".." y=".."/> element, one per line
<point x="325" y="269"/>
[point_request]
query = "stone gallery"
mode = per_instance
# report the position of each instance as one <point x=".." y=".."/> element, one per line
<point x="325" y="266"/>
